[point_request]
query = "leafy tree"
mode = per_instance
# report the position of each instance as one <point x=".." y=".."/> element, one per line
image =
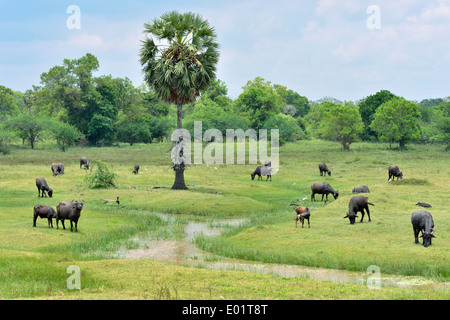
<point x="289" y="130"/>
<point x="442" y="123"/>
<point x="295" y="104"/>
<point x="160" y="127"/>
<point x="342" y="123"/>
<point x="27" y="127"/>
<point x="367" y="108"/>
<point x="316" y="115"/>
<point x="397" y="121"/>
<point x="100" y="130"/>
<point x="7" y="105"/>
<point x="5" y="139"/>
<point x="179" y="70"/>
<point x="258" y="102"/>
<point x="65" y="134"/>
<point x="134" y="133"/>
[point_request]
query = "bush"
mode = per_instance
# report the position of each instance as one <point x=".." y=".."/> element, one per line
<point x="101" y="178"/>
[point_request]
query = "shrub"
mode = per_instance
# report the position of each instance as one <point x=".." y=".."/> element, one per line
<point x="100" y="178"/>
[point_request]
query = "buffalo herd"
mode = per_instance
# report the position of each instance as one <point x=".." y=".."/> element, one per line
<point x="64" y="210"/>
<point x="421" y="220"/>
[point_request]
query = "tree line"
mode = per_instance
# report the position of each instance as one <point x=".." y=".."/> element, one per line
<point x="72" y="106"/>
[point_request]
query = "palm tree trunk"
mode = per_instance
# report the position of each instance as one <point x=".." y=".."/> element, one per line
<point x="179" y="183"/>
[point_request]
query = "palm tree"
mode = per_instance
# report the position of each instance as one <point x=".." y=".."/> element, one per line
<point x="180" y="66"/>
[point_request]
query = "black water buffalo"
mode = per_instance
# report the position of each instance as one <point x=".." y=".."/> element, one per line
<point x="394" y="171"/>
<point x="324" y="189"/>
<point x="324" y="169"/>
<point x="43" y="187"/>
<point x="136" y="169"/>
<point x="42" y="212"/>
<point x="423" y="221"/>
<point x="361" y="189"/>
<point x="358" y="204"/>
<point x="262" y="171"/>
<point x="69" y="210"/>
<point x="84" y="162"/>
<point x="57" y="168"/>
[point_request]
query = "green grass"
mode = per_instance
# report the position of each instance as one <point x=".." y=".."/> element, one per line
<point x="33" y="261"/>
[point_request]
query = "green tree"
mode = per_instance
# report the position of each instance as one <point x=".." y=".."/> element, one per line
<point x="181" y="68"/>
<point x="27" y="127"/>
<point x="258" y="102"/>
<point x="397" y="121"/>
<point x="7" y="105"/>
<point x="368" y="107"/>
<point x="289" y="130"/>
<point x="342" y="123"/>
<point x="100" y="130"/>
<point x="134" y="133"/>
<point x="65" y="134"/>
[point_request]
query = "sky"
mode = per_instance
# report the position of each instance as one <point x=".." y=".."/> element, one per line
<point x="346" y="49"/>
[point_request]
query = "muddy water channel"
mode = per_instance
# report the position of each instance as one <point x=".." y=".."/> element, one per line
<point x="184" y="252"/>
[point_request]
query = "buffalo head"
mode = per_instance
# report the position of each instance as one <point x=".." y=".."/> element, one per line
<point x="427" y="237"/>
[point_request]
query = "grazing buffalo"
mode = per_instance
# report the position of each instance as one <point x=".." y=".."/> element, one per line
<point x="42" y="212"/>
<point x="302" y="214"/>
<point x="361" y="189"/>
<point x="57" y="168"/>
<point x="324" y="189"/>
<point x="358" y="204"/>
<point x="262" y="171"/>
<point x="43" y="187"/>
<point x="84" y="162"/>
<point x="136" y="169"/>
<point x="394" y="171"/>
<point x="324" y="169"/>
<point x="423" y="221"/>
<point x="69" y="210"/>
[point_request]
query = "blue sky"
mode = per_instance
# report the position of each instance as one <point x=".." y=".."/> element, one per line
<point x="316" y="48"/>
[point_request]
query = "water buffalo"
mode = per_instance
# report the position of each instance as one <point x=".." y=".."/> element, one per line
<point x="324" y="169"/>
<point x="324" y="189"/>
<point x="84" y="162"/>
<point x="361" y="189"/>
<point x="262" y="171"/>
<point x="302" y="214"/>
<point x="136" y="169"/>
<point x="358" y="204"/>
<point x="43" y="187"/>
<point x="42" y="211"/>
<point x="394" y="171"/>
<point x="69" y="210"/>
<point x="423" y="221"/>
<point x="57" y="168"/>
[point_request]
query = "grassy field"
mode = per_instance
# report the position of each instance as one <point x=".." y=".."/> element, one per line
<point x="33" y="261"/>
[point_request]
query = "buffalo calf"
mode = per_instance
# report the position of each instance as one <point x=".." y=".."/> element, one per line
<point x="42" y="212"/>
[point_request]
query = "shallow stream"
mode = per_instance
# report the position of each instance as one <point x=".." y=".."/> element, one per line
<point x="184" y="252"/>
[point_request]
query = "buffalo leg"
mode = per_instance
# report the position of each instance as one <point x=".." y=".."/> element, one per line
<point x="416" y="235"/>
<point x="34" y="220"/>
<point x="62" y="222"/>
<point x="50" y="222"/>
